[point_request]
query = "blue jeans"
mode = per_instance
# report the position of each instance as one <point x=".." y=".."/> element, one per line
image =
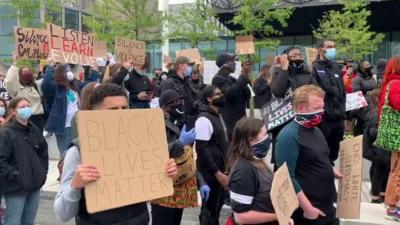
<point x="22" y="209"/>
<point x="63" y="140"/>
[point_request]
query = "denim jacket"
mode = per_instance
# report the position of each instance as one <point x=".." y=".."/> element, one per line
<point x="56" y="103"/>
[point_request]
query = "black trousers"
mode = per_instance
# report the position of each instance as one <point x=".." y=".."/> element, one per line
<point x="333" y="131"/>
<point x="165" y="216"/>
<point x="217" y="198"/>
<point x="379" y="177"/>
<point x="327" y="220"/>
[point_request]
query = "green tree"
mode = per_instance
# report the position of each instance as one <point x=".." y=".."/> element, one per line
<point x="350" y="30"/>
<point x="24" y="11"/>
<point x="133" y="19"/>
<point x="193" y="23"/>
<point x="259" y="17"/>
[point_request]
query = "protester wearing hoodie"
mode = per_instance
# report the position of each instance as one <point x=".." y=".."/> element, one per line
<point x="24" y="164"/>
<point x="182" y="69"/>
<point x="364" y="82"/>
<point x="236" y="91"/>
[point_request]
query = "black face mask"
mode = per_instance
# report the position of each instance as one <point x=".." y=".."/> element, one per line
<point x="366" y="72"/>
<point x="176" y="111"/>
<point x="219" y="102"/>
<point x="297" y="64"/>
<point x="196" y="81"/>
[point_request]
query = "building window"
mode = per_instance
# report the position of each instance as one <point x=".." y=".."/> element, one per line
<point x="71" y="19"/>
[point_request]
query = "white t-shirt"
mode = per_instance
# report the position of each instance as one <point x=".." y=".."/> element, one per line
<point x="72" y="108"/>
<point x="203" y="128"/>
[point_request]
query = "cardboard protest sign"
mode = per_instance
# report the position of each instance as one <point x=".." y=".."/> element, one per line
<point x="283" y="196"/>
<point x="349" y="191"/>
<point x="278" y="111"/>
<point x="355" y="100"/>
<point x="129" y="148"/>
<point x="3" y="91"/>
<point x="245" y="45"/>
<point x="126" y="49"/>
<point x="31" y="43"/>
<point x="211" y="68"/>
<point x="192" y="53"/>
<point x="311" y="54"/>
<point x="69" y="46"/>
<point x="100" y="49"/>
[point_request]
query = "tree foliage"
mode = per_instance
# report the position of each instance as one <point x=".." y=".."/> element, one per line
<point x="263" y="18"/>
<point x="133" y="19"/>
<point x="193" y="23"/>
<point x="350" y="30"/>
<point x="26" y="12"/>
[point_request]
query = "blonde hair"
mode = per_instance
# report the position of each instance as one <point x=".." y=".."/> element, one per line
<point x="302" y="94"/>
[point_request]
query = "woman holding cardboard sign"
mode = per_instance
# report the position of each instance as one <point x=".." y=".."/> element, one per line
<point x="250" y="178"/>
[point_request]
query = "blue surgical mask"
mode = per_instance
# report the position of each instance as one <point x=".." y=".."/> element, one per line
<point x="188" y="71"/>
<point x="330" y="53"/>
<point x="2" y="111"/>
<point x="24" y="113"/>
<point x="260" y="150"/>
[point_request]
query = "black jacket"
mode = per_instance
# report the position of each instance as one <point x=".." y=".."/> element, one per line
<point x="371" y="152"/>
<point x="282" y="80"/>
<point x="262" y="91"/>
<point x="211" y="155"/>
<point x="237" y="96"/>
<point x="23" y="159"/>
<point x="175" y="82"/>
<point x="135" y="84"/>
<point x="327" y="76"/>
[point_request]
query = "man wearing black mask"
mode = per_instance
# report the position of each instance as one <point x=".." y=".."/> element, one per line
<point x="235" y="90"/>
<point x="365" y="82"/>
<point x="290" y="73"/>
<point x="211" y="145"/>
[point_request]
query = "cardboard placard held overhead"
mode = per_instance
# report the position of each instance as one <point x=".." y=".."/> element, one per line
<point x="31" y="43"/>
<point x="129" y="148"/>
<point x="211" y="68"/>
<point x="192" y="53"/>
<point x="69" y="46"/>
<point x="355" y="100"/>
<point x="349" y="191"/>
<point x="126" y="49"/>
<point x="100" y="49"/>
<point x="283" y="196"/>
<point x="311" y="54"/>
<point x="245" y="45"/>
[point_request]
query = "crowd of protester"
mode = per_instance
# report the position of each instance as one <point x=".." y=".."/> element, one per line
<point x="230" y="148"/>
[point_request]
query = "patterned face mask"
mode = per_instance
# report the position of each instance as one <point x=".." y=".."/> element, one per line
<point x="309" y="120"/>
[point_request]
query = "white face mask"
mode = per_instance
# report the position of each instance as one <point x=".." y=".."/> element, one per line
<point x="70" y="76"/>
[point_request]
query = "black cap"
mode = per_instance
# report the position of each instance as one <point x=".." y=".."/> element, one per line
<point x="223" y="58"/>
<point x="168" y="96"/>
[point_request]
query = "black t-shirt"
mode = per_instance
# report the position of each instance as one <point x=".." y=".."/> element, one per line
<point x="250" y="188"/>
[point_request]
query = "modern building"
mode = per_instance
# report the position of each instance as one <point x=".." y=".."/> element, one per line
<point x="66" y="13"/>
